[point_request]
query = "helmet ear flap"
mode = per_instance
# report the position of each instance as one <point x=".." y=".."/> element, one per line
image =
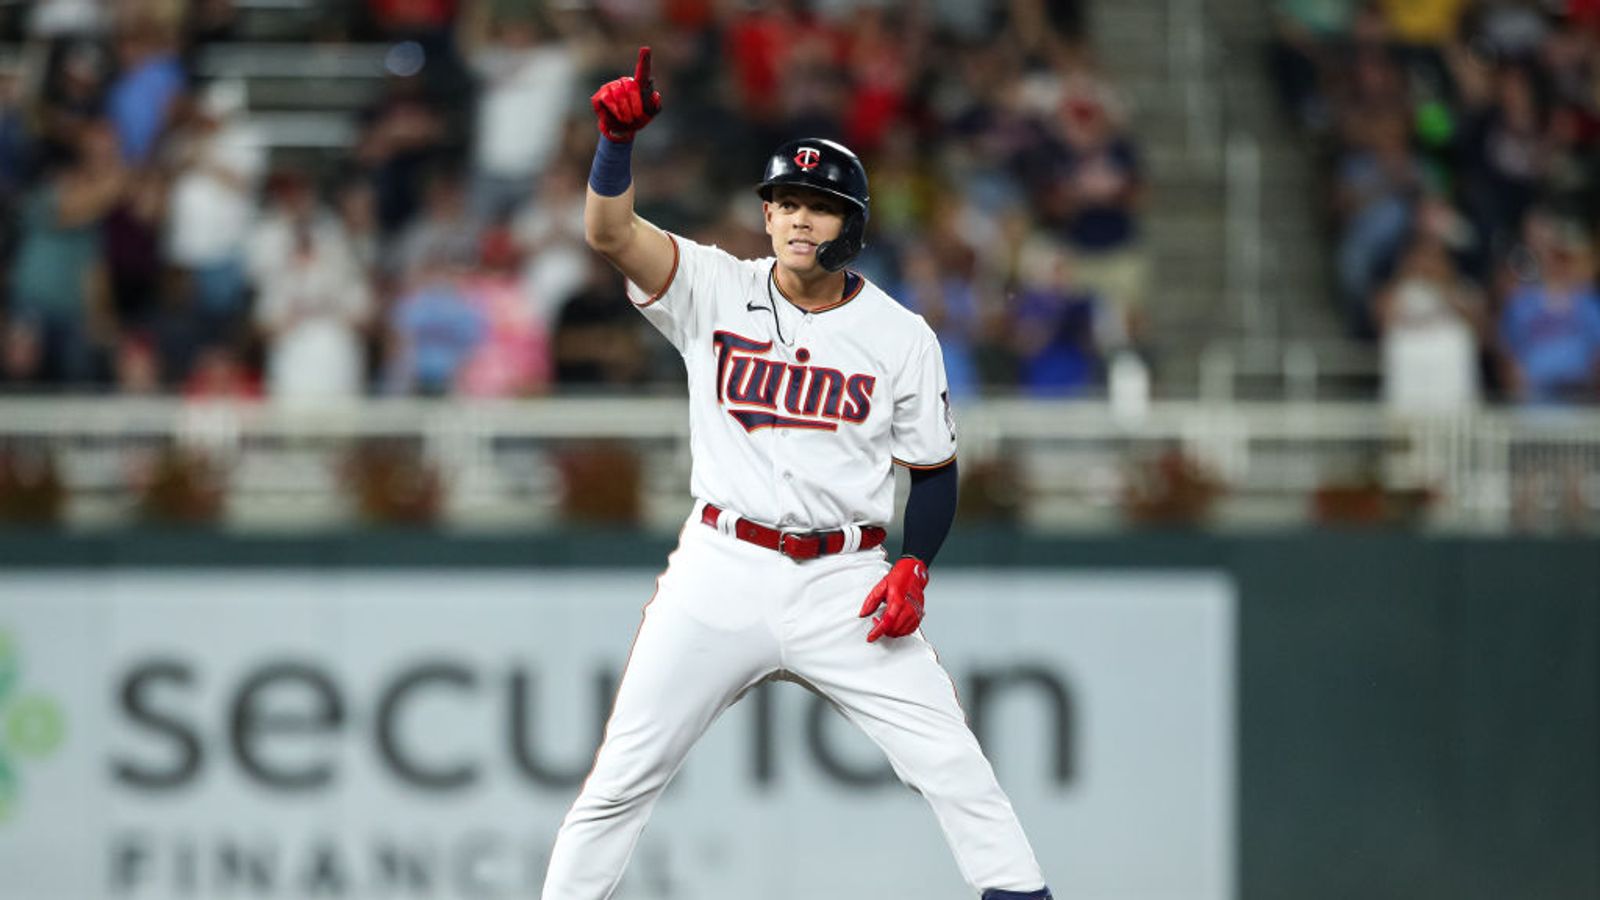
<point x="836" y="254"/>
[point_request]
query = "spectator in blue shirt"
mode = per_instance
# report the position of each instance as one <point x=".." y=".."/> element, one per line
<point x="145" y="91"/>
<point x="1094" y="198"/>
<point x="1550" y="329"/>
<point x="435" y="328"/>
<point x="1057" y="323"/>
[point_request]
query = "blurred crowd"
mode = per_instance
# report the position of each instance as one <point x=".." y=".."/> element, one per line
<point x="154" y="239"/>
<point x="1462" y="148"/>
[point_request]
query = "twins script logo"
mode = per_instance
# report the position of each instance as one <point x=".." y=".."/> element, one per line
<point x="813" y="397"/>
<point x="807" y="158"/>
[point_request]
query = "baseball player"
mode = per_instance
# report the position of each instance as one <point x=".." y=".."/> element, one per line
<point x="807" y="385"/>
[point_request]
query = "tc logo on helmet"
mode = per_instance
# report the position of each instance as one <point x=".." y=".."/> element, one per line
<point x="807" y="158"/>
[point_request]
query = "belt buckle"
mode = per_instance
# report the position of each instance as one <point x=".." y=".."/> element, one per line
<point x="796" y="552"/>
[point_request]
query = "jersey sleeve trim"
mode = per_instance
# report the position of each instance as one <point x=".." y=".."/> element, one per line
<point x="924" y="468"/>
<point x="671" y="276"/>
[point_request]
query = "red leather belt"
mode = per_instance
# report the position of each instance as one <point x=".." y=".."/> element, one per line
<point x="795" y="545"/>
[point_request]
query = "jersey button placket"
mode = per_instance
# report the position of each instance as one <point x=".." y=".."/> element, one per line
<point x="780" y="465"/>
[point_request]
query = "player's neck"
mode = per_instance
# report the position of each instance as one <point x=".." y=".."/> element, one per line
<point x="813" y="292"/>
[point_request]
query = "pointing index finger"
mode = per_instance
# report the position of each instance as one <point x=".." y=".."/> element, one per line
<point x="641" y="72"/>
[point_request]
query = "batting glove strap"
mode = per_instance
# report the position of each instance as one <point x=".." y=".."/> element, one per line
<point x="1041" y="894"/>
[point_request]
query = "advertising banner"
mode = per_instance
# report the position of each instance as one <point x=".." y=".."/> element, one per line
<point x="285" y="734"/>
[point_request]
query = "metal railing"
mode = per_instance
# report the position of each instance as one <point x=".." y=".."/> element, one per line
<point x="1073" y="463"/>
<point x="264" y="59"/>
<point x="1191" y="60"/>
<point x="1298" y="370"/>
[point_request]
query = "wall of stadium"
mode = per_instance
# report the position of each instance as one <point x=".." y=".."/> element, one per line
<point x="1183" y="717"/>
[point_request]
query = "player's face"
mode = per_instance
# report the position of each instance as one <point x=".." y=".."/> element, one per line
<point x="799" y="220"/>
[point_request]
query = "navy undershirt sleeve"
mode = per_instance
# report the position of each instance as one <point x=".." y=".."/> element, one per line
<point x="930" y="508"/>
<point x="612" y="170"/>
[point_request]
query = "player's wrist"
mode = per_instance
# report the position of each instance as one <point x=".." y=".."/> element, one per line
<point x="612" y="171"/>
<point x="914" y="566"/>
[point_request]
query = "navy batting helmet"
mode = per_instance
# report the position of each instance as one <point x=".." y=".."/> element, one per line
<point x="832" y="169"/>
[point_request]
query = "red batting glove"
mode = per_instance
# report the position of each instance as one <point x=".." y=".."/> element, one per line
<point x="901" y="589"/>
<point x="627" y="104"/>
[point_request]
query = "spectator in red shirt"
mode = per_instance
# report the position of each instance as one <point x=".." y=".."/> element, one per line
<point x="413" y="17"/>
<point x="221" y="374"/>
<point x="882" y="61"/>
<point x="783" y="61"/>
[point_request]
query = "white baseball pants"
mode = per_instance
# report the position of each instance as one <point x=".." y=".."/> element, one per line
<point x="726" y="615"/>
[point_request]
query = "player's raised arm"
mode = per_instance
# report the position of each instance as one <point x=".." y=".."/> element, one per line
<point x="640" y="250"/>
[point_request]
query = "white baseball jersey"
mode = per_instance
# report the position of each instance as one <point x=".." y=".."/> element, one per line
<point x="796" y="418"/>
